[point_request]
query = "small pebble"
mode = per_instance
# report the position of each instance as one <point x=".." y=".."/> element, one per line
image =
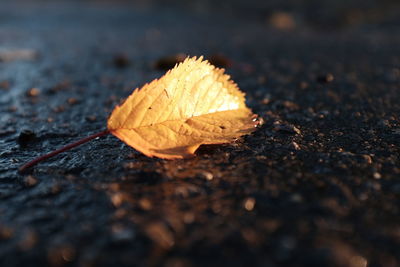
<point x="117" y="199"/>
<point x="367" y="159"/>
<point x="68" y="253"/>
<point x="30" y="181"/>
<point x="72" y="101"/>
<point x="358" y="261"/>
<point x="59" y="109"/>
<point x="326" y="78"/>
<point x="145" y="204"/>
<point x="25" y="137"/>
<point x="249" y="203"/>
<point x="160" y="235"/>
<point x="207" y="175"/>
<point x="295" y="146"/>
<point x="377" y="175"/>
<point x="265" y="101"/>
<point x="55" y="189"/>
<point x="286" y="128"/>
<point x="121" y="233"/>
<point x="290" y="105"/>
<point x="33" y="92"/>
<point x="91" y="118"/>
<point x="60" y="255"/>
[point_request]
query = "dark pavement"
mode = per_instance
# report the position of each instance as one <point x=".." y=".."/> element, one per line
<point x="317" y="185"/>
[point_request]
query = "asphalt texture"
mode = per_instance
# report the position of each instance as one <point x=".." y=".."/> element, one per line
<point x="318" y="184"/>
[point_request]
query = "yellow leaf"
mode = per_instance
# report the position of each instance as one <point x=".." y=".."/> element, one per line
<point x="195" y="103"/>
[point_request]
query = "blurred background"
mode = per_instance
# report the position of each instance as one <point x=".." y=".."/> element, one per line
<point x="316" y="185"/>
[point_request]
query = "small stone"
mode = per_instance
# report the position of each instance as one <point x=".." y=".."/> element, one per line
<point x="160" y="234"/>
<point x="33" y="92"/>
<point x="117" y="199"/>
<point x="286" y="128"/>
<point x="358" y="261"/>
<point x="265" y="101"/>
<point x="325" y="78"/>
<point x="60" y="255"/>
<point x="145" y="204"/>
<point x="377" y="175"/>
<point x="249" y="203"/>
<point x="68" y="253"/>
<point x="59" y="109"/>
<point x="91" y="118"/>
<point x="30" y="181"/>
<point x="55" y="189"/>
<point x="295" y="146"/>
<point x="25" y="137"/>
<point x="207" y="175"/>
<point x="72" y="101"/>
<point x="121" y="233"/>
<point x="367" y="158"/>
<point x="186" y="191"/>
<point x="290" y="105"/>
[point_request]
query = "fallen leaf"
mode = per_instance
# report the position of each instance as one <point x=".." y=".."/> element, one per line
<point x="195" y="103"/>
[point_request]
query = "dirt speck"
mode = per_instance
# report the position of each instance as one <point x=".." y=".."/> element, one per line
<point x="30" y="181"/>
<point x="33" y="92"/>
